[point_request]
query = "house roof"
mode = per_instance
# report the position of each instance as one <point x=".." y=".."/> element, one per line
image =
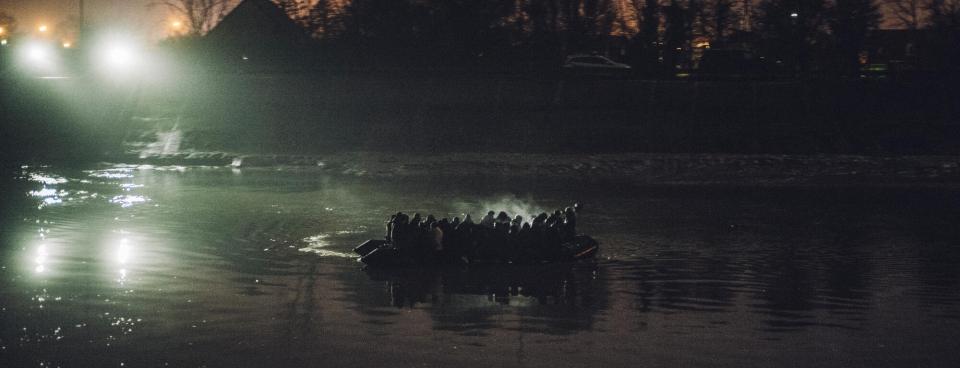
<point x="257" y="24"/>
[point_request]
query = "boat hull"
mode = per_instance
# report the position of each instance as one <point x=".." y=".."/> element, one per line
<point x="376" y="252"/>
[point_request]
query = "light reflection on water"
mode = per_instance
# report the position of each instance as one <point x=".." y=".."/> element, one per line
<point x="226" y="267"/>
<point x="320" y="244"/>
<point x="128" y="200"/>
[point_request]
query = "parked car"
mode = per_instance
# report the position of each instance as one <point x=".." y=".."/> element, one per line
<point x="593" y="65"/>
<point x="875" y="71"/>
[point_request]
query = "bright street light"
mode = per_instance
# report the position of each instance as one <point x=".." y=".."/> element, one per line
<point x="37" y="53"/>
<point x="119" y="56"/>
<point x="37" y="57"/>
<point x="794" y="15"/>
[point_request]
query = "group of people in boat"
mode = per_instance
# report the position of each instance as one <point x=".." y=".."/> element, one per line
<point x="497" y="237"/>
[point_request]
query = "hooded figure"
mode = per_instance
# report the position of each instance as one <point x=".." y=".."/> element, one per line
<point x="525" y="247"/>
<point x="488" y="220"/>
<point x="503" y="223"/>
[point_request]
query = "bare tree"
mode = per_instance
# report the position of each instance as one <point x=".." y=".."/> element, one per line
<point x="851" y="22"/>
<point x="746" y="16"/>
<point x="944" y="13"/>
<point x="295" y="9"/>
<point x="8" y="22"/>
<point x="910" y="14"/>
<point x="721" y="19"/>
<point x="325" y="18"/>
<point x="200" y="15"/>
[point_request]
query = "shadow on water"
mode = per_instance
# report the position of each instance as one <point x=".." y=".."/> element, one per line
<point x="559" y="298"/>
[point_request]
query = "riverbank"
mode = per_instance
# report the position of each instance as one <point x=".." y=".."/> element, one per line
<point x="295" y="114"/>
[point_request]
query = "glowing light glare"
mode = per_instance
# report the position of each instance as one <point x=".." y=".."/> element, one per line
<point x="119" y="56"/>
<point x="67" y="45"/>
<point x="123" y="252"/>
<point x="2" y="30"/>
<point x="41" y="259"/>
<point x="176" y="24"/>
<point x="122" y="258"/>
<point x="42" y="28"/>
<point x="37" y="53"/>
<point x="3" y="42"/>
<point x="794" y="15"/>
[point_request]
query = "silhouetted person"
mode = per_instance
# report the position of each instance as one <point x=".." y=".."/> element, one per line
<point x="452" y="243"/>
<point x="389" y="229"/>
<point x="570" y="224"/>
<point x="412" y="234"/>
<point x="552" y="219"/>
<point x="503" y="218"/>
<point x="538" y="236"/>
<point x="516" y="224"/>
<point x="488" y="220"/>
<point x="401" y="231"/>
<point x="467" y="241"/>
<point x="436" y="244"/>
<point x="525" y="248"/>
<point x="415" y="221"/>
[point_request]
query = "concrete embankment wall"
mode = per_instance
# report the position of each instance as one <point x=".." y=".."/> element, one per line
<point x="313" y="113"/>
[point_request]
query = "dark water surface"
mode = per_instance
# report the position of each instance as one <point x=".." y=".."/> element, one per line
<point x="218" y="267"/>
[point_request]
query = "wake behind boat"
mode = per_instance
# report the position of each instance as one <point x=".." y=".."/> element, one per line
<point x="413" y="241"/>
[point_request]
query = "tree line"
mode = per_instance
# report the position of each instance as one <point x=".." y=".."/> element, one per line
<point x="652" y="35"/>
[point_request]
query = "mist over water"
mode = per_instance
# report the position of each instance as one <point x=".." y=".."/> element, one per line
<point x="191" y="266"/>
<point x="514" y="206"/>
